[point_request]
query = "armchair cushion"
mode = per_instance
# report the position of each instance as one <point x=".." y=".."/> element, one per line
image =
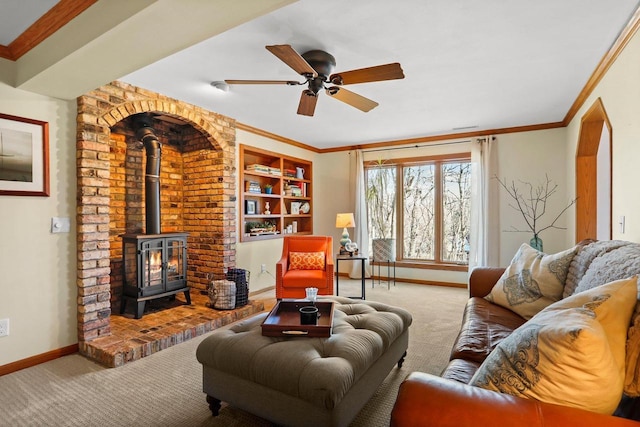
<point x="306" y="261"/>
<point x="572" y="353"/>
<point x="305" y="278"/>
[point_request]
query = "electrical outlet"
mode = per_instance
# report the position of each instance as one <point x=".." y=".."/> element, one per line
<point x="263" y="268"/>
<point x="4" y="327"/>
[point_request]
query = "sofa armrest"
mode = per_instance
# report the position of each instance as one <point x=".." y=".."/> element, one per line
<point x="482" y="280"/>
<point x="427" y="400"/>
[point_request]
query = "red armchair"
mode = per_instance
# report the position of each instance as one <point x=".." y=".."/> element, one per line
<point x="291" y="282"/>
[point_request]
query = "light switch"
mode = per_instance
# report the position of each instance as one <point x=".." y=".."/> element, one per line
<point x="60" y="225"/>
<point x="622" y="224"/>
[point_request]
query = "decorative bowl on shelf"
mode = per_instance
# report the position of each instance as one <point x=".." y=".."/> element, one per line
<point x="305" y="208"/>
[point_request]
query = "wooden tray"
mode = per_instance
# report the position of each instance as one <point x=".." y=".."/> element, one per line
<point x="284" y="320"/>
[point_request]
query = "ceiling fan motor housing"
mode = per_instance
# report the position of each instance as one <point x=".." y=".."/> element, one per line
<point x="321" y="61"/>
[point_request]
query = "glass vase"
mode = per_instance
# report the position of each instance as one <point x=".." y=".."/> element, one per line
<point x="536" y="242"/>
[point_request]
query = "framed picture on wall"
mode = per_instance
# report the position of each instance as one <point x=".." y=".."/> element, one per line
<point x="250" y="207"/>
<point x="24" y="156"/>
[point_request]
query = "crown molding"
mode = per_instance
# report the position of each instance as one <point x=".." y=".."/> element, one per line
<point x="606" y="62"/>
<point x="57" y="17"/>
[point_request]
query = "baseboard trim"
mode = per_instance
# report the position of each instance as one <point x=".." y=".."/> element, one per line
<point x="37" y="359"/>
<point x="260" y="291"/>
<point x="431" y="283"/>
<point x="414" y="281"/>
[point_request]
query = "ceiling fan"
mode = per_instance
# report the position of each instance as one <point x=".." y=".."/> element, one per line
<point x="316" y="66"/>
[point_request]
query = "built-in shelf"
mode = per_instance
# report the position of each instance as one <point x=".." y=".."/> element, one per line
<point x="289" y="193"/>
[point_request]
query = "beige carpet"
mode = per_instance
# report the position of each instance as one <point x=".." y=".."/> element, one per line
<point x="165" y="388"/>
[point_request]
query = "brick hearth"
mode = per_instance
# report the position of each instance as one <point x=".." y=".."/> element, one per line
<point x="165" y="324"/>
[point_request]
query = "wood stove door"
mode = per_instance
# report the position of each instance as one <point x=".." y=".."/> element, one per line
<point x="176" y="262"/>
<point x="151" y="267"/>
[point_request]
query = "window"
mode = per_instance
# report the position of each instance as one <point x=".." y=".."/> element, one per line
<point x="426" y="202"/>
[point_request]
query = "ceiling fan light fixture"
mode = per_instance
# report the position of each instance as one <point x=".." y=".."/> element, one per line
<point x="221" y="86"/>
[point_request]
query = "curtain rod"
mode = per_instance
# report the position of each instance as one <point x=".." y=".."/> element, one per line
<point x="416" y="146"/>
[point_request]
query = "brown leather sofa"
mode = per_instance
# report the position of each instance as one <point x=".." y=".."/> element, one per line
<point x="429" y="400"/>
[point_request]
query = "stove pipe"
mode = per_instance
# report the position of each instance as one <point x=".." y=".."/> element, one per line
<point x="145" y="133"/>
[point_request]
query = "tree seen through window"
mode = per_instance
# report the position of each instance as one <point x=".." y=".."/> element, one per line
<point x="434" y="199"/>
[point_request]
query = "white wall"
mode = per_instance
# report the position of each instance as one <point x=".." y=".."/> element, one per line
<point x="603" y="193"/>
<point x="528" y="156"/>
<point x="619" y="90"/>
<point x="38" y="268"/>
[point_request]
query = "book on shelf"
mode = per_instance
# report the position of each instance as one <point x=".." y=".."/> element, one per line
<point x="252" y="187"/>
<point x="264" y="169"/>
<point x="258" y="168"/>
<point x="299" y="189"/>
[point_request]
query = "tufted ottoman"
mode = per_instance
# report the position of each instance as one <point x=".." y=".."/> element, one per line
<point x="302" y="381"/>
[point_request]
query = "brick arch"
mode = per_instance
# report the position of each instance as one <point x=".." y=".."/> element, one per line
<point x="97" y="112"/>
<point x="188" y="115"/>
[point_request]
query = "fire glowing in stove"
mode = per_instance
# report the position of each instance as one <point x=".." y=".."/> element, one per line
<point x="154" y="269"/>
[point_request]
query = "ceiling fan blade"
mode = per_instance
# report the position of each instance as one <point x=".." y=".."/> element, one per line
<point x="353" y="99"/>
<point x="308" y="101"/>
<point x="260" y="82"/>
<point x="292" y="58"/>
<point x="371" y="74"/>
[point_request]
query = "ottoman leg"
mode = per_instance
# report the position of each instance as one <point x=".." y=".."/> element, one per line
<point x="214" y="405"/>
<point x="401" y="361"/>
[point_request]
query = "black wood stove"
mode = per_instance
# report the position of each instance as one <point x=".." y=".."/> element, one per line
<point x="154" y="264"/>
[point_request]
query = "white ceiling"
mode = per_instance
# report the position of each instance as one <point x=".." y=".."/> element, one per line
<point x="490" y="64"/>
<point x="19" y="15"/>
<point x="469" y="65"/>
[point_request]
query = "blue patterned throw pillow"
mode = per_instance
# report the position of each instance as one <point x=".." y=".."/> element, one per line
<point x="532" y="281"/>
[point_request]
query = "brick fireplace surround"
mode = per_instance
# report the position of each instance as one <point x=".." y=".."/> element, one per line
<point x="197" y="197"/>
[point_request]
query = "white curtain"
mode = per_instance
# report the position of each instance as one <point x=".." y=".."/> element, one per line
<point x="361" y="230"/>
<point x="485" y="234"/>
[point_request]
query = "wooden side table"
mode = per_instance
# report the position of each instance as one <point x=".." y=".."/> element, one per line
<point x="362" y="272"/>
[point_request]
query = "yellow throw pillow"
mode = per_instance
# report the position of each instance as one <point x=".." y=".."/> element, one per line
<point x="572" y="353"/>
<point x="532" y="281"/>
<point x="306" y="260"/>
<point x="632" y="380"/>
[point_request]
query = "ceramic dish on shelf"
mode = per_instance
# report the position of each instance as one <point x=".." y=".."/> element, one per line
<point x="305" y="208"/>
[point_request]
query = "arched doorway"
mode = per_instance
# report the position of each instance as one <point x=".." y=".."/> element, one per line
<point x="593" y="175"/>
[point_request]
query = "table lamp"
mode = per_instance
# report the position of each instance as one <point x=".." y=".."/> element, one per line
<point x="344" y="220"/>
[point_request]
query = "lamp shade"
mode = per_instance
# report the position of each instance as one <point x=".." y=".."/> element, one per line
<point x="344" y="220"/>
